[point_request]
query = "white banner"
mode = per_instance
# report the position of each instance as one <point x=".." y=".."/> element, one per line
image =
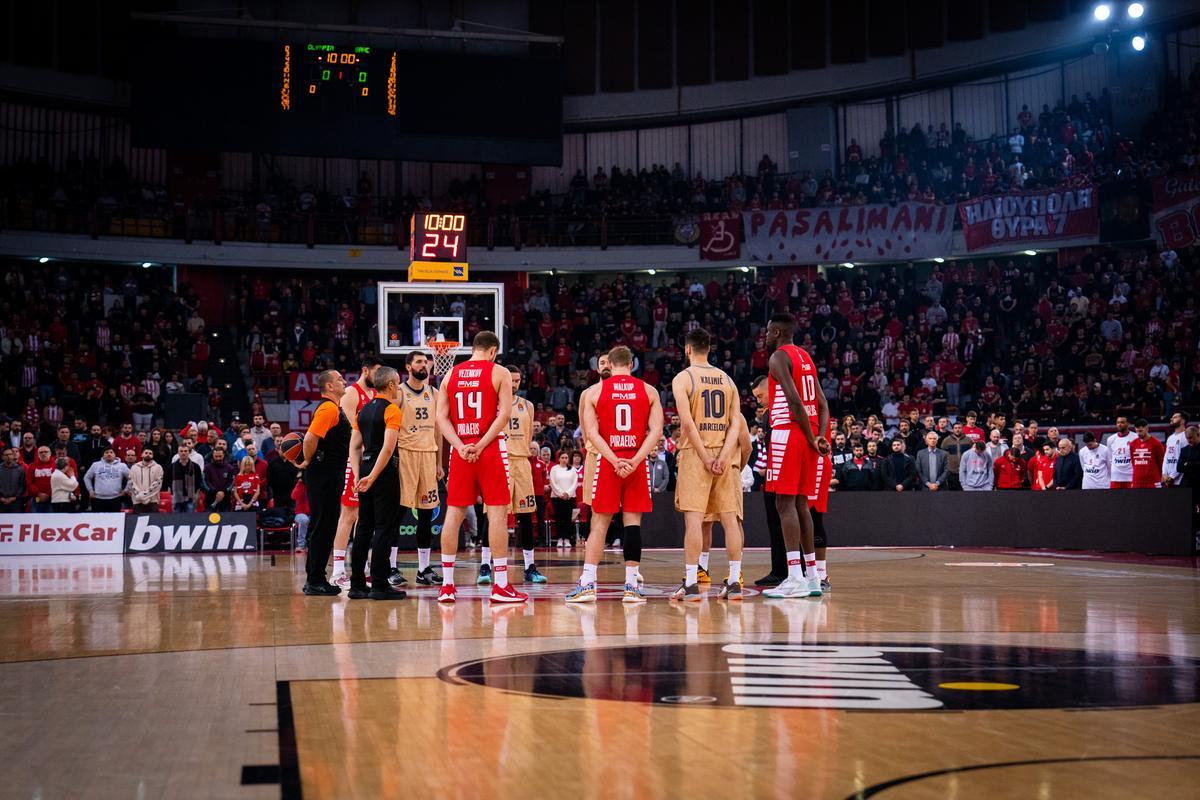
<point x="905" y="231"/>
<point x="61" y="534"/>
<point x="300" y="413"/>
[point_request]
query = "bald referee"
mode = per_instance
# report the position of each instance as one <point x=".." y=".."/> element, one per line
<point x="326" y="450"/>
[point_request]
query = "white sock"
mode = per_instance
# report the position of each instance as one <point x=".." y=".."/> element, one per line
<point x="447" y="569"/>
<point x="822" y="573"/>
<point x="795" y="565"/>
<point x="339" y="562"/>
<point x="735" y="571"/>
<point x="589" y="574"/>
<point x="423" y="558"/>
<point x="810" y="565"/>
<point x="500" y="571"/>
<point x="631" y="575"/>
<point x="704" y="561"/>
<point x="528" y="556"/>
<point x="689" y="574"/>
<point x="392" y="557"/>
<point x="486" y="556"/>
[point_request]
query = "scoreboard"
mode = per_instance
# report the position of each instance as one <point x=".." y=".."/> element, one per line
<point x="437" y="247"/>
<point x="326" y="78"/>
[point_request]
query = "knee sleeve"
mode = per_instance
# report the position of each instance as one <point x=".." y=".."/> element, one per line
<point x="525" y="531"/>
<point x="424" y="527"/>
<point x="631" y="542"/>
<point x="818" y="528"/>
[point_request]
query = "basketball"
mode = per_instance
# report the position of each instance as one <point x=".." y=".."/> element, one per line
<point x="292" y="447"/>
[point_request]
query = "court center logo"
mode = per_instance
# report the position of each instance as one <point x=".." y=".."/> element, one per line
<point x="862" y="677"/>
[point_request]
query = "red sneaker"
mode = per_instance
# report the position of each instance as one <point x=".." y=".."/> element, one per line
<point x="446" y="593"/>
<point x="507" y="594"/>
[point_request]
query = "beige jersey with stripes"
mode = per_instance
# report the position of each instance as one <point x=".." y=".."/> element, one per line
<point x="713" y="401"/>
<point x="520" y="428"/>
<point x="418" y="430"/>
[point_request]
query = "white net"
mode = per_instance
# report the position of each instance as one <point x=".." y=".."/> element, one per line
<point x="443" y="356"/>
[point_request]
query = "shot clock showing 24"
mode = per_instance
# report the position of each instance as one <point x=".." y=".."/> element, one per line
<point x="437" y="247"/>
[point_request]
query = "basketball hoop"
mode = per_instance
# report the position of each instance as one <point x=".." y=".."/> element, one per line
<point x="443" y="355"/>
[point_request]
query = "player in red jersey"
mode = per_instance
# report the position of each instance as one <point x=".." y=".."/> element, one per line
<point x="623" y="420"/>
<point x="1147" y="454"/>
<point x="357" y="395"/>
<point x="473" y="409"/>
<point x="799" y="416"/>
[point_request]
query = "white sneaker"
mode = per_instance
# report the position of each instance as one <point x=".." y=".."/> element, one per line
<point x="814" y="585"/>
<point x="789" y="588"/>
<point x="342" y="580"/>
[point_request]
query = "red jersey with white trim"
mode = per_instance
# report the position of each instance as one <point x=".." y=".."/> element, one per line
<point x="804" y="375"/>
<point x="622" y="413"/>
<point x="364" y="396"/>
<point x="1147" y="457"/>
<point x="473" y="399"/>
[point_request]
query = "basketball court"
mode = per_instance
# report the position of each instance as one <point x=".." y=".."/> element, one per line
<point x="925" y="673"/>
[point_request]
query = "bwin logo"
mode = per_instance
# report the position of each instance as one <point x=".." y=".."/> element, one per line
<point x="187" y="538"/>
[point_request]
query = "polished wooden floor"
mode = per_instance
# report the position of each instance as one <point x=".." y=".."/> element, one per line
<point x="925" y="674"/>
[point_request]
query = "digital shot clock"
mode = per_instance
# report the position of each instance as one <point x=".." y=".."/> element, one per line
<point x="437" y="247"/>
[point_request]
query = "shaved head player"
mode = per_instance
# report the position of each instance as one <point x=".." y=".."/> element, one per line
<point x="799" y="417"/>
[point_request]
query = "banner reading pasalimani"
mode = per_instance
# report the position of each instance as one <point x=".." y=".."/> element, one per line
<point x="1021" y="219"/>
<point x="853" y="233"/>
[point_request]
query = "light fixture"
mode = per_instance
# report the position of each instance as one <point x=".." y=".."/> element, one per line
<point x="1102" y="12"/>
<point x="43" y="260"/>
<point x="1135" y="10"/>
<point x="939" y="260"/>
<point x="745" y="269"/>
<point x="652" y="271"/>
<point x="848" y="264"/>
<point x="1138" y="42"/>
<point x="146" y="265"/>
<point x="1031" y="252"/>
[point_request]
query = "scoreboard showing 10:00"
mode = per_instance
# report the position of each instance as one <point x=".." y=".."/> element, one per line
<point x="325" y="77"/>
<point x="437" y="247"/>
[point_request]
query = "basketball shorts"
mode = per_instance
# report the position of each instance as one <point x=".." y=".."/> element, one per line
<point x="520" y="484"/>
<point x="793" y="468"/>
<point x="486" y="477"/>
<point x="589" y="476"/>
<point x="611" y="494"/>
<point x="824" y="476"/>
<point x="697" y="489"/>
<point x="349" y="493"/>
<point x="418" y="479"/>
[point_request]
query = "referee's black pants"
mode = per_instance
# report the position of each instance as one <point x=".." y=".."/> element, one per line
<point x="378" y="530"/>
<point x="324" y="483"/>
<point x="779" y="565"/>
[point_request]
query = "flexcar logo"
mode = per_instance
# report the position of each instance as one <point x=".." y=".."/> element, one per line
<point x="61" y="534"/>
<point x="190" y="533"/>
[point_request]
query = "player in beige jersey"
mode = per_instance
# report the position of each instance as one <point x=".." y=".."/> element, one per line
<point x="420" y="448"/>
<point x="707" y="403"/>
<point x="740" y="460"/>
<point x="590" y="456"/>
<point x="520" y="476"/>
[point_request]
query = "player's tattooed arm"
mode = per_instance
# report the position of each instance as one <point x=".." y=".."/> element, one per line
<point x="683" y="406"/>
<point x="446" y="427"/>
<point x="780" y="367"/>
<point x="502" y="380"/>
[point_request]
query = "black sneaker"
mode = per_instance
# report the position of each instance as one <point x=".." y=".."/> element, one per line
<point x="397" y="578"/>
<point x="687" y="593"/>
<point x="356" y="593"/>
<point x="386" y="593"/>
<point x="321" y="589"/>
<point x="429" y="577"/>
<point x="770" y="580"/>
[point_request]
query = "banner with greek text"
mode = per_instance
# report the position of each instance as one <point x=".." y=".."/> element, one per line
<point x="904" y="231"/>
<point x="1026" y="219"/>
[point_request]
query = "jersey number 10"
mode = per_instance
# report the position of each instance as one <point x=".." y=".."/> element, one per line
<point x="714" y="403"/>
<point x="808" y="389"/>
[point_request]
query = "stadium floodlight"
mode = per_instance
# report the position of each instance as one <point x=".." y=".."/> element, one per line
<point x="1138" y="42"/>
<point x="146" y="265"/>
<point x="848" y="264"/>
<point x="1102" y="12"/>
<point x="652" y="271"/>
<point x="745" y="269"/>
<point x="43" y="260"/>
<point x="939" y="260"/>
<point x="1135" y="10"/>
<point x="1031" y="252"/>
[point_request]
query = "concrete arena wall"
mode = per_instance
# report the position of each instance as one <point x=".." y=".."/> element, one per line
<point x="1155" y="522"/>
